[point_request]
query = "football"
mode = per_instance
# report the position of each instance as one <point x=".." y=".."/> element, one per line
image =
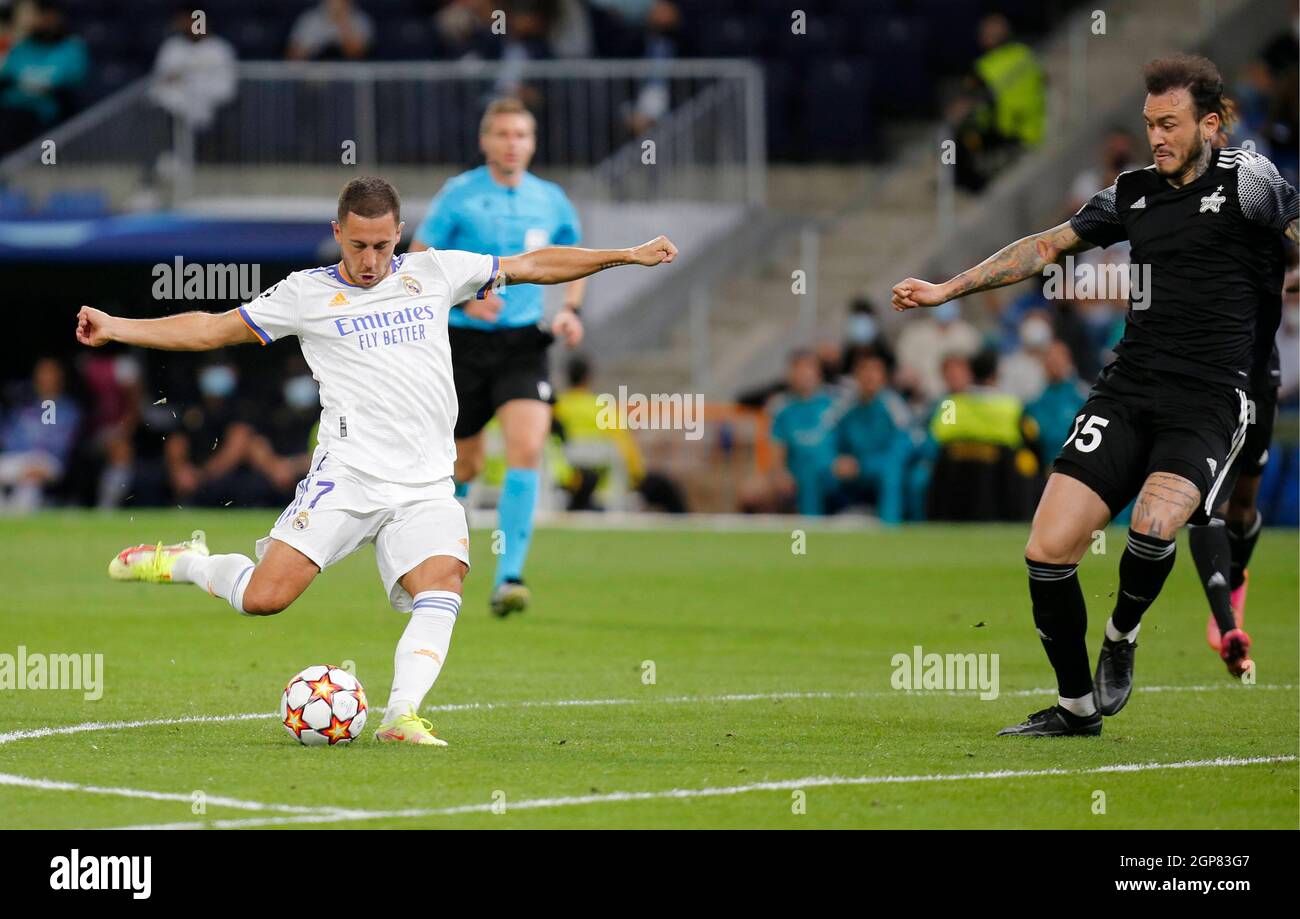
<point x="323" y="706"/>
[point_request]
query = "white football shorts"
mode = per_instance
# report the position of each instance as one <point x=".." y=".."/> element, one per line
<point x="338" y="509"/>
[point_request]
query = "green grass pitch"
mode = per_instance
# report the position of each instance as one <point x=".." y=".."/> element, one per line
<point x="771" y="704"/>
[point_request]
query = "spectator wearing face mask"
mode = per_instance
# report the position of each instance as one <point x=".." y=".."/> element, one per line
<point x="1021" y="373"/>
<point x="207" y="458"/>
<point x="872" y="441"/>
<point x="803" y="428"/>
<point x="332" y="30"/>
<point x="41" y="76"/>
<point x="114" y="387"/>
<point x="282" y="449"/>
<point x="1057" y="406"/>
<point x="36" y="439"/>
<point x="862" y="330"/>
<point x="927" y="340"/>
<point x="1118" y="154"/>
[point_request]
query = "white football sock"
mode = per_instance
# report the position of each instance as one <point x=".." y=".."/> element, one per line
<point x="1082" y="706"/>
<point x="1115" y="634"/>
<point x="224" y="576"/>
<point x="421" y="650"/>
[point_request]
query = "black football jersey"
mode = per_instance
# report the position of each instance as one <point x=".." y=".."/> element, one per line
<point x="1213" y="247"/>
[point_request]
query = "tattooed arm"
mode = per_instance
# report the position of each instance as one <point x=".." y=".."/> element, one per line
<point x="558" y="264"/>
<point x="1022" y="259"/>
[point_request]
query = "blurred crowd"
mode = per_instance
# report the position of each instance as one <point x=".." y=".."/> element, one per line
<point x="46" y="67"/>
<point x="833" y="80"/>
<point x="960" y="412"/>
<point x="947" y="422"/>
<point x="99" y="433"/>
<point x="135" y="429"/>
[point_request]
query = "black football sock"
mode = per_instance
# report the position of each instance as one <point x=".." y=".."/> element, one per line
<point x="1061" y="617"/>
<point x="1242" y="544"/>
<point x="1212" y="554"/>
<point x="1146" y="562"/>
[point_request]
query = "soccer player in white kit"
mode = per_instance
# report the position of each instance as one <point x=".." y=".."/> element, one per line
<point x="373" y="328"/>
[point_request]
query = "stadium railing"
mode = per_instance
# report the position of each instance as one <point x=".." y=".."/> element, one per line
<point x="708" y="144"/>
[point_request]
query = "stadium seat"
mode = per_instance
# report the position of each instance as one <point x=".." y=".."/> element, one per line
<point x="954" y="44"/>
<point x="727" y="36"/>
<point x="14" y="203"/>
<point x="838" y="110"/>
<point x="410" y="38"/>
<point x="896" y="46"/>
<point x="259" y="39"/>
<point x="112" y="76"/>
<point x="826" y="35"/>
<point x="76" y="204"/>
<point x="786" y="137"/>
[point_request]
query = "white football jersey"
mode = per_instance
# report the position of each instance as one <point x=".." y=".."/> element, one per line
<point x="381" y="357"/>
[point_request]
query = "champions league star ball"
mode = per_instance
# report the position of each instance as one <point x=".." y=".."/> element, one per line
<point x="323" y="705"/>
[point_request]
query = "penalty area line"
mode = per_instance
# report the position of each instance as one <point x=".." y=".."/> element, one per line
<point x="620" y="797"/>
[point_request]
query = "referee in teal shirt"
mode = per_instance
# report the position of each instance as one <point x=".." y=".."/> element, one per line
<point x="499" y="344"/>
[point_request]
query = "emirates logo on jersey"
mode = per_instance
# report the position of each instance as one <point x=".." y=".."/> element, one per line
<point x="412" y="285"/>
<point x="1212" y="202"/>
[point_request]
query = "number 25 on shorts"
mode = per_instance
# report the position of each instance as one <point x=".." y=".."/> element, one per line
<point x="1087" y="428"/>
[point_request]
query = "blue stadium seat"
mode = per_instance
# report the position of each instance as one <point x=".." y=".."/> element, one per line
<point x="74" y="204"/>
<point x="112" y="76"/>
<point x="838" y="110"/>
<point x="13" y="203"/>
<point x="259" y="39"/>
<point x="826" y="35"/>
<point x="728" y="36"/>
<point x="953" y="45"/>
<point x="896" y="48"/>
<point x="411" y="38"/>
<point x="785" y="137"/>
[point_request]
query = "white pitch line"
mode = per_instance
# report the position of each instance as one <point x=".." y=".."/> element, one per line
<point x="36" y="733"/>
<point x="23" y="781"/>
<point x="619" y="797"/>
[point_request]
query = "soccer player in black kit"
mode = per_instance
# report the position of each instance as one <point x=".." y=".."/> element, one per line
<point x="1221" y="548"/>
<point x="1166" y="419"/>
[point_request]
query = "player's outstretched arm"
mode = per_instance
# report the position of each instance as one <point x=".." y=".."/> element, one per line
<point x="196" y="331"/>
<point x="558" y="264"/>
<point x="1022" y="259"/>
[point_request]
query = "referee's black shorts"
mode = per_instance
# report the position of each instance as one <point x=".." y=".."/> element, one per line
<point x="491" y="367"/>
<point x="1138" y="421"/>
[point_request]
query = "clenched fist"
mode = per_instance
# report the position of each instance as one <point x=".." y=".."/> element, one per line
<point x="659" y="250"/>
<point x="914" y="292"/>
<point x="92" y="327"/>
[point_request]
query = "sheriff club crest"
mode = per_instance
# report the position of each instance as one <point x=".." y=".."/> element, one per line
<point x="1212" y="201"/>
<point x="412" y="285"/>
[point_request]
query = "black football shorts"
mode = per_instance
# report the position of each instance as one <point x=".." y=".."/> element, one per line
<point x="1254" y="452"/>
<point x="1138" y="421"/>
<point x="493" y="367"/>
